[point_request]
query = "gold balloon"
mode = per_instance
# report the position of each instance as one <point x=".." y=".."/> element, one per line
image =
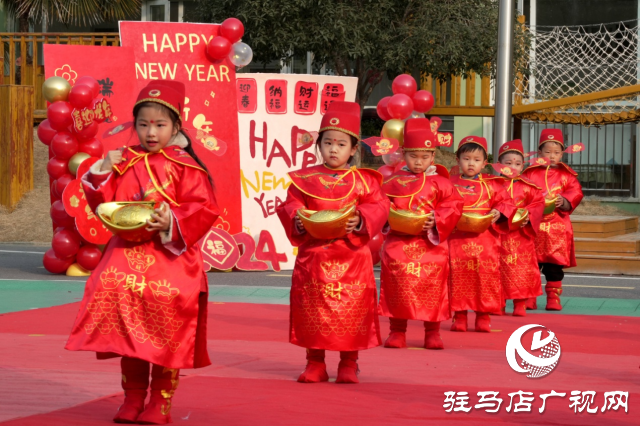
<point x="394" y="129"/>
<point x="56" y="89"/>
<point x="76" y="160"/>
<point x="76" y="270"/>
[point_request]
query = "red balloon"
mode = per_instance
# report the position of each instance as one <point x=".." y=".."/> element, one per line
<point x="80" y="96"/>
<point x="423" y="101"/>
<point x="218" y="48"/>
<point x="65" y="244"/>
<point x="91" y="82"/>
<point x="46" y="132"/>
<point x="375" y="246"/>
<point x="381" y="108"/>
<point x="57" y="167"/>
<point x="61" y="183"/>
<point x="54" y="264"/>
<point x="88" y="132"/>
<point x="93" y="147"/>
<point x="400" y="106"/>
<point x="89" y="257"/>
<point x="53" y="193"/>
<point x="59" y="115"/>
<point x="386" y="171"/>
<point x="232" y="29"/>
<point x="60" y="216"/>
<point x="64" y="145"/>
<point x="405" y="84"/>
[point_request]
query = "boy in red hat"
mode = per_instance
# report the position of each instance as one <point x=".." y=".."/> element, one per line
<point x="519" y="271"/>
<point x="147" y="301"/>
<point x="554" y="241"/>
<point x="415" y="268"/>
<point x="333" y="290"/>
<point x="475" y="254"/>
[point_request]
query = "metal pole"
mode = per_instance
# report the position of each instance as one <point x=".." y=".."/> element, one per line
<point x="504" y="80"/>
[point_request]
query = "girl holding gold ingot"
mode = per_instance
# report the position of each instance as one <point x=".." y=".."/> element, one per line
<point x="518" y="262"/>
<point x="331" y="212"/>
<point x="147" y="299"/>
<point x="425" y="208"/>
<point x="474" y="247"/>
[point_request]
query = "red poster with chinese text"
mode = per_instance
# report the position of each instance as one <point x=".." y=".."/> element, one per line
<point x="276" y="96"/>
<point x="305" y="99"/>
<point x="247" y="95"/>
<point x="331" y="92"/>
<point x="176" y="51"/>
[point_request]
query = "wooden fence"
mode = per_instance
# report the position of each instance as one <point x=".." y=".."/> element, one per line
<point x="21" y="59"/>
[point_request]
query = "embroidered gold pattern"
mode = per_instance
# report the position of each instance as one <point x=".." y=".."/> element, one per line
<point x="334" y="270"/>
<point x="111" y="278"/>
<point x="163" y="292"/>
<point x="138" y="260"/>
<point x="414" y="251"/>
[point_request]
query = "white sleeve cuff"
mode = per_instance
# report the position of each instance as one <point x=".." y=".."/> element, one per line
<point x="95" y="169"/>
<point x="176" y="247"/>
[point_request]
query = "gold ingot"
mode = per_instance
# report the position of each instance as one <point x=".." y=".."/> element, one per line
<point x="474" y="222"/>
<point x="519" y="218"/>
<point x="550" y="205"/>
<point x="127" y="220"/>
<point x="56" y="89"/>
<point x="326" y="224"/>
<point x="394" y="129"/>
<point x="407" y="221"/>
<point x="76" y="160"/>
<point x="76" y="270"/>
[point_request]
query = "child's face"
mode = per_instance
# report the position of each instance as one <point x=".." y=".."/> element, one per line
<point x="154" y="128"/>
<point x="419" y="161"/>
<point x="552" y="151"/>
<point x="513" y="160"/>
<point x="471" y="162"/>
<point x="335" y="148"/>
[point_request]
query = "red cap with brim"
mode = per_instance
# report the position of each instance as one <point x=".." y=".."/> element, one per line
<point x="512" y="146"/>
<point x="169" y="93"/>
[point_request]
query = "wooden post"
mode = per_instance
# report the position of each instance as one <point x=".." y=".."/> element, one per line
<point x="16" y="143"/>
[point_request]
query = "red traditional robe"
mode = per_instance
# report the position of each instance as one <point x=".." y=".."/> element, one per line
<point x="333" y="291"/>
<point x="519" y="270"/>
<point x="149" y="300"/>
<point x="475" y="258"/>
<point x="554" y="241"/>
<point x="415" y="268"/>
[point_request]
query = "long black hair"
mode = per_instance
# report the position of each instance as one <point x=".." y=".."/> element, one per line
<point x="175" y="122"/>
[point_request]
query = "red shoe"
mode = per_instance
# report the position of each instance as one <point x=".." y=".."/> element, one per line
<point x="432" y="339"/>
<point x="135" y="381"/>
<point x="396" y="339"/>
<point x="164" y="382"/>
<point x="459" y="321"/>
<point x="553" y="290"/>
<point x="348" y="368"/>
<point x="483" y="322"/>
<point x="315" y="372"/>
<point x="520" y="307"/>
<point x="532" y="303"/>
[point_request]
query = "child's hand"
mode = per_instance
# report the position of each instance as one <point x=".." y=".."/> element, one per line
<point x="111" y="159"/>
<point x="496" y="215"/>
<point x="299" y="225"/>
<point x="562" y="203"/>
<point x="559" y="200"/>
<point x="353" y="222"/>
<point x="525" y="223"/>
<point x="162" y="219"/>
<point x="429" y="224"/>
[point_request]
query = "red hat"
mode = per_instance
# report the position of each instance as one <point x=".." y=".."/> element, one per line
<point x="343" y="117"/>
<point x="551" y="135"/>
<point x="514" y="145"/>
<point x="478" y="140"/>
<point x="169" y="93"/>
<point x="418" y="135"/>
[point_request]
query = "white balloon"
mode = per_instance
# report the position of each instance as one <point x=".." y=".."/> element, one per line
<point x="414" y="114"/>
<point x="241" y="54"/>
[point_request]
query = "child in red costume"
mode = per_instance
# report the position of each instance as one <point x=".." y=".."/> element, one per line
<point x="519" y="271"/>
<point x="333" y="291"/>
<point x="415" y="268"/>
<point x="475" y="257"/>
<point x="147" y="301"/>
<point x="554" y="241"/>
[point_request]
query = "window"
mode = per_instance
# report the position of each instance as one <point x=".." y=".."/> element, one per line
<point x="157" y="13"/>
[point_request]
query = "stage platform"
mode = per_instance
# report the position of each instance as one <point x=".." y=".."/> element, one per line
<point x="252" y="379"/>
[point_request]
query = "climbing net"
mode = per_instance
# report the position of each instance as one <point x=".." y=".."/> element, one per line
<point x="582" y="60"/>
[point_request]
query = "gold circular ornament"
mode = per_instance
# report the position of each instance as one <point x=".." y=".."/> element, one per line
<point x="154" y="93"/>
<point x="334" y="121"/>
<point x="427" y="143"/>
<point x="76" y="160"/>
<point x="56" y="89"/>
